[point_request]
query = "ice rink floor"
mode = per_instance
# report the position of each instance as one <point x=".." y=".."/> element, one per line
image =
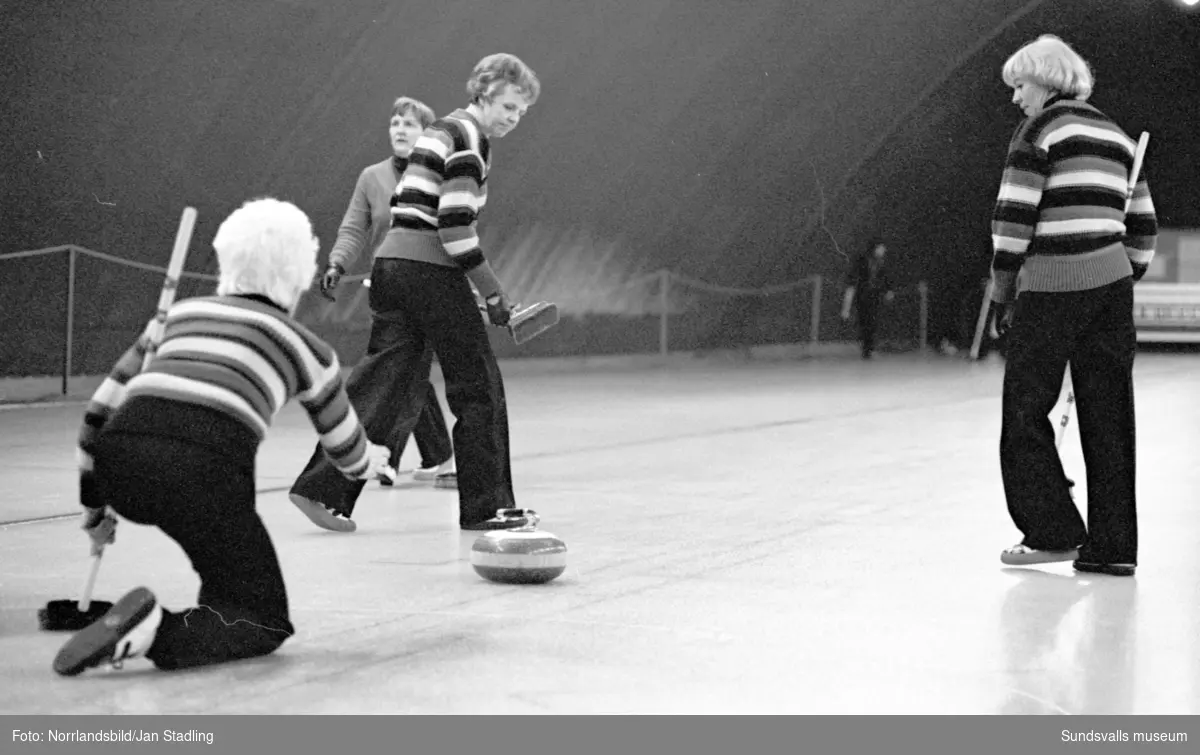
<point x="805" y="537"/>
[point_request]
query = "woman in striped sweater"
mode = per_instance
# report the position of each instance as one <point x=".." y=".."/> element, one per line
<point x="422" y="278"/>
<point x="174" y="446"/>
<point x="364" y="225"/>
<point x="1065" y="242"/>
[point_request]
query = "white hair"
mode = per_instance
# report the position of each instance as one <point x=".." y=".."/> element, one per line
<point x="1052" y="63"/>
<point x="266" y="247"/>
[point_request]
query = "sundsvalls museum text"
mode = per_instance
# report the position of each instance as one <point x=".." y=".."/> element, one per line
<point x="1124" y="736"/>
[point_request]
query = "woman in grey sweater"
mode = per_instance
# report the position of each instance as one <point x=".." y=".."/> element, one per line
<point x="363" y="227"/>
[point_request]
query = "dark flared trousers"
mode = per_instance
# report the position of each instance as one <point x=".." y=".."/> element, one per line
<point x="431" y="434"/>
<point x="1094" y="332"/>
<point x="202" y="496"/>
<point x="424" y="310"/>
<point x="867" y="309"/>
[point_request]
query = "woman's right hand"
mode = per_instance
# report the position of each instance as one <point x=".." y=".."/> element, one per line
<point x="377" y="463"/>
<point x="331" y="278"/>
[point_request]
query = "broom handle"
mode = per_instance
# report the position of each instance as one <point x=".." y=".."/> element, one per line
<point x="183" y="238"/>
<point x="85" y="600"/>
<point x="1138" y="158"/>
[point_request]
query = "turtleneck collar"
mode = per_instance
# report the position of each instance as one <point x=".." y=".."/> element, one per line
<point x="262" y="300"/>
<point x="1056" y="98"/>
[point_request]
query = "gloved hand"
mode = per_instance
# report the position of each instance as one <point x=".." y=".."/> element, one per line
<point x="1003" y="318"/>
<point x="101" y="526"/>
<point x="499" y="311"/>
<point x="377" y="462"/>
<point x="331" y="279"/>
<point x="88" y="497"/>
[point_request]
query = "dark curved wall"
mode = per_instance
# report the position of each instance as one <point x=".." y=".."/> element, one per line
<point x="698" y="135"/>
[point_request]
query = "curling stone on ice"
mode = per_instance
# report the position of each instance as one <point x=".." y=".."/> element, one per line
<point x="520" y="556"/>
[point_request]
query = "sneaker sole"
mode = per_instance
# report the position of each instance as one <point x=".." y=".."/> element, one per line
<point x="1037" y="557"/>
<point x="1114" y="570"/>
<point x="321" y="516"/>
<point x="94" y="643"/>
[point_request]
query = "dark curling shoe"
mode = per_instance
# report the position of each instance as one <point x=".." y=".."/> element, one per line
<point x="1114" y="570"/>
<point x="323" y="516"/>
<point x="505" y="519"/>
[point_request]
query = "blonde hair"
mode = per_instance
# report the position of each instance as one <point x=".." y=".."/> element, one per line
<point x="1052" y="63"/>
<point x="494" y="71"/>
<point x="266" y="247"/>
<point x="406" y="105"/>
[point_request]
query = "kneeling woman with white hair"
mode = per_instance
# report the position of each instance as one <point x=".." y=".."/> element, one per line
<point x="174" y="446"/>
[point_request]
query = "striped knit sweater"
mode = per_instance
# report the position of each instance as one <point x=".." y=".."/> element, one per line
<point x="445" y="188"/>
<point x="245" y="358"/>
<point x="1060" y="223"/>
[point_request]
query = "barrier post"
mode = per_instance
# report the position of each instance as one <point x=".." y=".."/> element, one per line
<point x="664" y="303"/>
<point x="815" y="312"/>
<point x="69" y="327"/>
<point x="923" y="317"/>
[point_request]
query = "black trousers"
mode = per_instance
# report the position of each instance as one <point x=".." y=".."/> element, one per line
<point x="425" y="310"/>
<point x="430" y="432"/>
<point x="868" y="319"/>
<point x="1093" y="331"/>
<point x="205" y="501"/>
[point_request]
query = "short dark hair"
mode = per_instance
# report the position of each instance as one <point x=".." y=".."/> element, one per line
<point x="406" y="105"/>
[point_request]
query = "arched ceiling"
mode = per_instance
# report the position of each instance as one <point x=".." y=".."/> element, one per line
<point x="730" y="139"/>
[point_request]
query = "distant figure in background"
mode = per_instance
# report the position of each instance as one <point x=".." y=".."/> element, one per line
<point x="868" y="286"/>
<point x="1067" y="255"/>
<point x="364" y="226"/>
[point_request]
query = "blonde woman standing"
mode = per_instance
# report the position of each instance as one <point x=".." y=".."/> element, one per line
<point x="1066" y="257"/>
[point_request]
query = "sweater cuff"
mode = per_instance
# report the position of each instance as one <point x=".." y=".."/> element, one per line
<point x="339" y="259"/>
<point x="485" y="280"/>
<point x="1004" y="286"/>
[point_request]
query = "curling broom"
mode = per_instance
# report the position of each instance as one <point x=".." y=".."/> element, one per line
<point x="68" y="615"/>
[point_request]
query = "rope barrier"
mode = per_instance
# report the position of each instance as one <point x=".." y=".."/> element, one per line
<point x="730" y="290"/>
<point x="639" y="281"/>
<point x="35" y="252"/>
<point x="662" y="278"/>
<point x="144" y="265"/>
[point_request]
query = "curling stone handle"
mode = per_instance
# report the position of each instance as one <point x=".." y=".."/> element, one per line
<point x="529" y="514"/>
<point x="85" y="600"/>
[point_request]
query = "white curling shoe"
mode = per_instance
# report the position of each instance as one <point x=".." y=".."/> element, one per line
<point x="425" y="474"/>
<point x="126" y="631"/>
